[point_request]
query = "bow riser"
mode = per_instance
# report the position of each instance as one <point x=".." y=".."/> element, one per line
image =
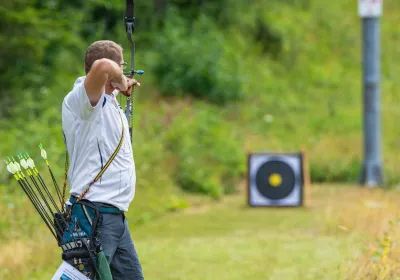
<point x="130" y="28"/>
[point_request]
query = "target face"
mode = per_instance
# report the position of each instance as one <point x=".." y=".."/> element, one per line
<point x="275" y="179"/>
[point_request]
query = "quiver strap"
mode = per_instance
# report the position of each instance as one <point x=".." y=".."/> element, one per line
<point x="102" y="170"/>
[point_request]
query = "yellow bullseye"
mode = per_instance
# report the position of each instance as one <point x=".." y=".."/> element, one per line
<point x="275" y="180"/>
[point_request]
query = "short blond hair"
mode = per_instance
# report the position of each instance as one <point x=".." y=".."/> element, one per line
<point x="102" y="49"/>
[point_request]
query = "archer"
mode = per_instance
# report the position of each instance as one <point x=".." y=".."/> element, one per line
<point x="101" y="165"/>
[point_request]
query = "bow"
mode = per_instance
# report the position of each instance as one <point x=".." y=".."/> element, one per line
<point x="130" y="27"/>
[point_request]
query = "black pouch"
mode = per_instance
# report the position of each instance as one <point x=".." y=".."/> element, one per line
<point x="80" y="239"/>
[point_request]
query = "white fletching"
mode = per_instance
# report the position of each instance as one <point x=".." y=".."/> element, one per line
<point x="13" y="168"/>
<point x="30" y="163"/>
<point x="9" y="168"/>
<point x="23" y="163"/>
<point x="43" y="154"/>
<point x="18" y="167"/>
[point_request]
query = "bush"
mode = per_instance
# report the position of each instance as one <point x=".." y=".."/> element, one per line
<point x="210" y="159"/>
<point x="336" y="170"/>
<point x="197" y="60"/>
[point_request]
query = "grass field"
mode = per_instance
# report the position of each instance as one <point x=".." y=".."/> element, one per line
<point x="338" y="236"/>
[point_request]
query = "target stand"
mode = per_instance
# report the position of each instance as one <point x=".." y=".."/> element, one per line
<point x="275" y="180"/>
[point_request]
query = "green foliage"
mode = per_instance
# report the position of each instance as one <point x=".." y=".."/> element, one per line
<point x="188" y="63"/>
<point x="32" y="37"/>
<point x="210" y="160"/>
<point x="336" y="170"/>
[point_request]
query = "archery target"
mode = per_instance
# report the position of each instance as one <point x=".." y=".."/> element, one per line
<point x="275" y="180"/>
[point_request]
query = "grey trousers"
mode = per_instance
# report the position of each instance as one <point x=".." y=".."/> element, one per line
<point x="119" y="248"/>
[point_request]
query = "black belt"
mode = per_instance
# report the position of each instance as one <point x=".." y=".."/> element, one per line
<point x="104" y="208"/>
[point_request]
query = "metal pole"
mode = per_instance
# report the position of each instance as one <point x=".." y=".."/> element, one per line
<point x="372" y="166"/>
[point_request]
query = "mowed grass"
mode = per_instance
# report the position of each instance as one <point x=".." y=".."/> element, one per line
<point x="328" y="239"/>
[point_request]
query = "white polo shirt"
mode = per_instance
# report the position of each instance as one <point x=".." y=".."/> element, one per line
<point x="92" y="134"/>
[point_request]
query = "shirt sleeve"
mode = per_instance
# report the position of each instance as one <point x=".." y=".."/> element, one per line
<point x="78" y="102"/>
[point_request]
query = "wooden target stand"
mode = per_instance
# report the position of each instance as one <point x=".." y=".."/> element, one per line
<point x="307" y="178"/>
<point x="278" y="180"/>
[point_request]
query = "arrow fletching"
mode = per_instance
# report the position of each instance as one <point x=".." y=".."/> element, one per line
<point x="10" y="169"/>
<point x="23" y="163"/>
<point x="43" y="153"/>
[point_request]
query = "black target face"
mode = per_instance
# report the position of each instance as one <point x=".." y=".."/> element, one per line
<point x="275" y="179"/>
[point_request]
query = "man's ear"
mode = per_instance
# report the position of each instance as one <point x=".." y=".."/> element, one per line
<point x="84" y="68"/>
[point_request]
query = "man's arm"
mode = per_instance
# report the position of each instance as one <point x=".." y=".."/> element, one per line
<point x="104" y="72"/>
